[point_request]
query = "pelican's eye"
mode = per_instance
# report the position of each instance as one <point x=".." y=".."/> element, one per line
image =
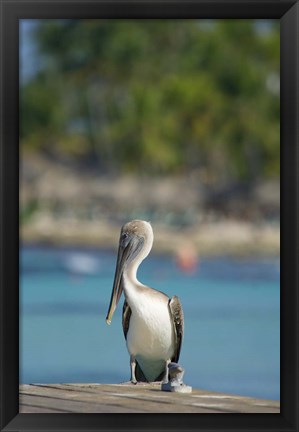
<point x="124" y="237"/>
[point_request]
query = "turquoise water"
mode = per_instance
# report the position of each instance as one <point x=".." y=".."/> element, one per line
<point x="232" y="319"/>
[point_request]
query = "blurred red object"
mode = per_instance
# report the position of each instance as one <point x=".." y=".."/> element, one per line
<point x="186" y="258"/>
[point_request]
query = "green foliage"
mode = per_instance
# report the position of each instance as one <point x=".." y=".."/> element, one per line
<point x="157" y="96"/>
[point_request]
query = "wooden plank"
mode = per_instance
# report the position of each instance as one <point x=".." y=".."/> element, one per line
<point x="129" y="398"/>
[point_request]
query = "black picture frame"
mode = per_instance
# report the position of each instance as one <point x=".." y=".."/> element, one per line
<point x="11" y="11"/>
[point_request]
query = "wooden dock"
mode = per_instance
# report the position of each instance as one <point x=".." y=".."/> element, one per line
<point x="129" y="398"/>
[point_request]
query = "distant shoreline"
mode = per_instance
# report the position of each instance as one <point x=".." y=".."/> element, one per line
<point x="220" y="238"/>
<point x="61" y="206"/>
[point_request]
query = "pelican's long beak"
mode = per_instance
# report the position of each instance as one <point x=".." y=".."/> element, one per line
<point x="123" y="253"/>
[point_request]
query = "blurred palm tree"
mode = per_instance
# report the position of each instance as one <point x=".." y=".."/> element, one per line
<point x="157" y="96"/>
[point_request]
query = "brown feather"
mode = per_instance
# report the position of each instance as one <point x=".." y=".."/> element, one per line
<point x="176" y="311"/>
<point x="126" y="318"/>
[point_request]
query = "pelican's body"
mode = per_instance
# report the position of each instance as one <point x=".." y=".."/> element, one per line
<point x="152" y="323"/>
<point x="150" y="337"/>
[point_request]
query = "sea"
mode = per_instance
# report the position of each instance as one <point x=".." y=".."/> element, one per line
<point x="232" y="319"/>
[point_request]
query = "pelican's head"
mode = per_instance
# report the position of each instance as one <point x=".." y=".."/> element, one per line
<point x="135" y="243"/>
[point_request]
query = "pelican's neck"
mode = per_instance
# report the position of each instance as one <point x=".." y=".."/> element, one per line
<point x="131" y="285"/>
<point x="130" y="272"/>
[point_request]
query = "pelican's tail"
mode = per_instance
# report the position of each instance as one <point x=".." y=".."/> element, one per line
<point x="153" y="375"/>
<point x="139" y="374"/>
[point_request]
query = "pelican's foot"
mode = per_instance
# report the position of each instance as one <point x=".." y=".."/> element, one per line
<point x="175" y="383"/>
<point x="134" y="382"/>
<point x="128" y="382"/>
<point x="181" y="388"/>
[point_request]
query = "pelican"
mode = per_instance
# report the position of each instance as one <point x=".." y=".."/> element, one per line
<point x="153" y="323"/>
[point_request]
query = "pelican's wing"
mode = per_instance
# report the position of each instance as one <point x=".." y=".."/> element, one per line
<point x="176" y="312"/>
<point x="126" y="317"/>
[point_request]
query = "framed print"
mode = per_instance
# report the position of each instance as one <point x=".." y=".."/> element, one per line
<point x="159" y="135"/>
